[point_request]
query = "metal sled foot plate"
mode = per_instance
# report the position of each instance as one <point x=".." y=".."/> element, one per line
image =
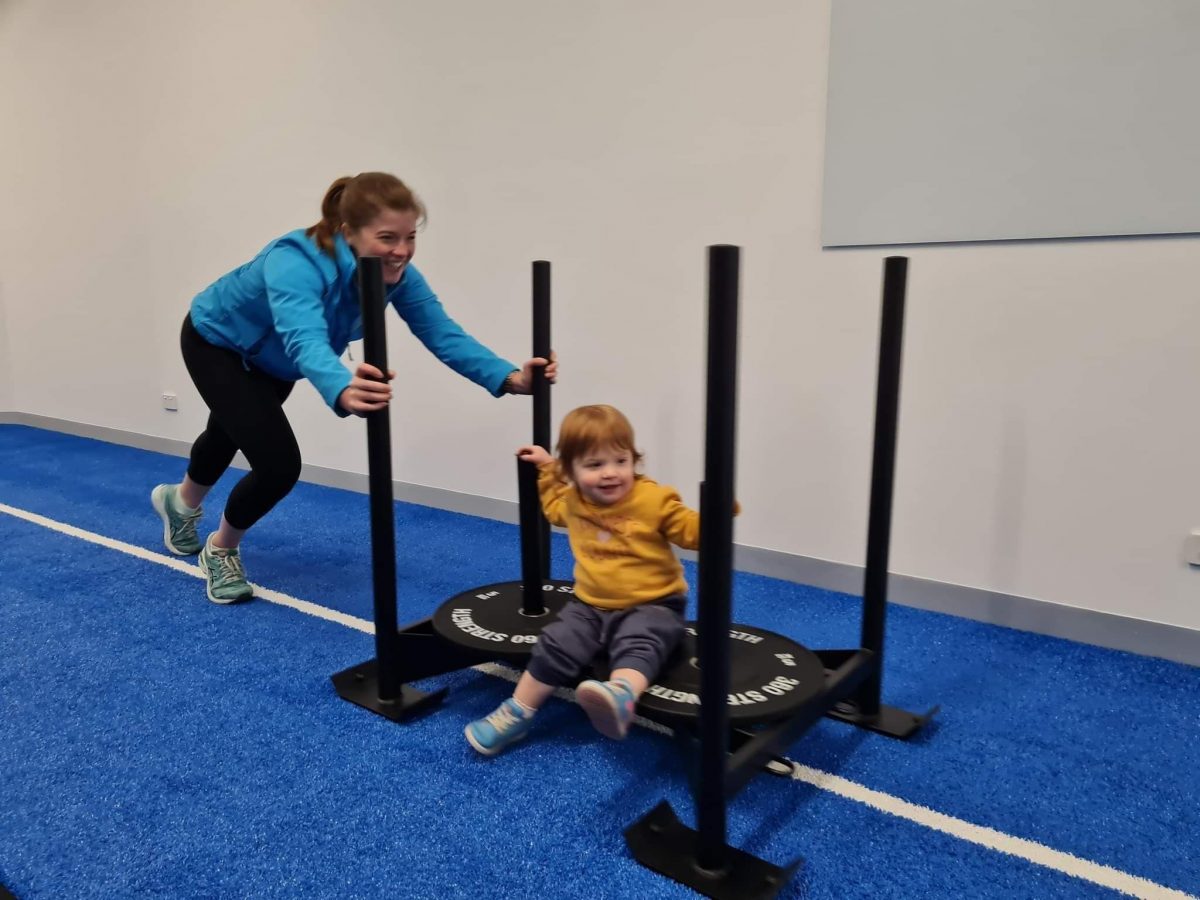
<point x="360" y="685"/>
<point x="659" y="841"/>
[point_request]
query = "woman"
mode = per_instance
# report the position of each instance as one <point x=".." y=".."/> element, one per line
<point x="289" y="314"/>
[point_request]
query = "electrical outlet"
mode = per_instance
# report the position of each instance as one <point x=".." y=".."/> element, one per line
<point x="170" y="401"/>
<point x="1191" y="548"/>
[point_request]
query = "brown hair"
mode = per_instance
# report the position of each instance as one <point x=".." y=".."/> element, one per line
<point x="589" y="427"/>
<point x="355" y="201"/>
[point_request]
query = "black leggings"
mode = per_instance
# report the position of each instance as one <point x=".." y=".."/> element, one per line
<point x="245" y="413"/>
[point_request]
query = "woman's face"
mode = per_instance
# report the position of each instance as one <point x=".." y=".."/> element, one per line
<point x="392" y="236"/>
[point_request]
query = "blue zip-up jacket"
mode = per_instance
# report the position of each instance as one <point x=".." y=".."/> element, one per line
<point x="292" y="310"/>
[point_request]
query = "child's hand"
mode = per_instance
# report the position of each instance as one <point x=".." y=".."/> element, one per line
<point x="534" y="454"/>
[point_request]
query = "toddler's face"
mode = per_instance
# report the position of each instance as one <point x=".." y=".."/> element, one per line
<point x="604" y="475"/>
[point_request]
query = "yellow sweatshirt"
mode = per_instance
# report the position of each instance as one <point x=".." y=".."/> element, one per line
<point x="623" y="553"/>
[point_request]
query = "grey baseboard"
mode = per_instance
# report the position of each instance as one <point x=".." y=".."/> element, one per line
<point x="439" y="498"/>
<point x="1087" y="626"/>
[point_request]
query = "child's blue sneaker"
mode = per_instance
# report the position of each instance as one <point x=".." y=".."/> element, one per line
<point x="609" y="704"/>
<point x="508" y="724"/>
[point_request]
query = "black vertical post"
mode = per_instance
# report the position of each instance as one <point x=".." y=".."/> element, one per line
<point x="541" y="387"/>
<point x="701" y="858"/>
<point x="378" y="684"/>
<point x="535" y="530"/>
<point x="379" y="467"/>
<point x="529" y="507"/>
<point x="716" y="553"/>
<point x="883" y="467"/>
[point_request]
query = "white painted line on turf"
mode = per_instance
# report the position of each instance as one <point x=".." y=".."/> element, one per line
<point x="989" y="838"/>
<point x="1041" y="855"/>
<point x="187" y="568"/>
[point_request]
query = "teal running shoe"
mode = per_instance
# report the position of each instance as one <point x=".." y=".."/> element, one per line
<point x="226" y="577"/>
<point x="179" y="528"/>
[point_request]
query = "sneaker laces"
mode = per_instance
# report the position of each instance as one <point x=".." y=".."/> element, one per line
<point x="504" y="718"/>
<point x="621" y="688"/>
<point x="231" y="565"/>
<point x="187" y="522"/>
<point x="622" y="692"/>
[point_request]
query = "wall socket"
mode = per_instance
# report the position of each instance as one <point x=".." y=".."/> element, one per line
<point x="1191" y="548"/>
<point x="170" y="401"/>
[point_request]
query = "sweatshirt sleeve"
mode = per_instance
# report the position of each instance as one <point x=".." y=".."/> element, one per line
<point x="294" y="294"/>
<point x="427" y="319"/>
<point x="553" y="492"/>
<point x="680" y="524"/>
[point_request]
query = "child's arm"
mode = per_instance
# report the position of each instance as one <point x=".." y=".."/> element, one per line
<point x="553" y="491"/>
<point x="551" y="488"/>
<point x="680" y="524"/>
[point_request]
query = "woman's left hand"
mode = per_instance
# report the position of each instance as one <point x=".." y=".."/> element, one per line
<point x="522" y="382"/>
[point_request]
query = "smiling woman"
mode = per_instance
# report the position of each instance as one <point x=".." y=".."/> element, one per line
<point x="392" y="236"/>
<point x="286" y="315"/>
<point x="377" y="215"/>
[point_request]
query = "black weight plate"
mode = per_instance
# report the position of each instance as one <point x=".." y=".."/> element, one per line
<point x="770" y="676"/>
<point x="490" y="620"/>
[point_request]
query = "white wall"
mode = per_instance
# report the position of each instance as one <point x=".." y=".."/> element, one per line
<point x="6" y="400"/>
<point x="1047" y="425"/>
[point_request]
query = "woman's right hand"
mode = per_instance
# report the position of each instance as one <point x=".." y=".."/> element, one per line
<point x="367" y="391"/>
<point x="534" y="454"/>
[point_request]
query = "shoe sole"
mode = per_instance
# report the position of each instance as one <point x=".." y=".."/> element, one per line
<point x="602" y="709"/>
<point x="159" y="501"/>
<point x="223" y="601"/>
<point x="479" y="748"/>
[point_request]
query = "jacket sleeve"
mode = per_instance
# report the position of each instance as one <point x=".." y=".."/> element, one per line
<point x="553" y="492"/>
<point x="427" y="319"/>
<point x="295" y="295"/>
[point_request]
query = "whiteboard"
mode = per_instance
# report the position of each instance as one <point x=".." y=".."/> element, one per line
<point x="975" y="120"/>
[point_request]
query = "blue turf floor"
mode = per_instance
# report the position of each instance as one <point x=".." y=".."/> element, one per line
<point x="154" y="744"/>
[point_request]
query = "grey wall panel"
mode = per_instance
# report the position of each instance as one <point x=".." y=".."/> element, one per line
<point x="968" y="120"/>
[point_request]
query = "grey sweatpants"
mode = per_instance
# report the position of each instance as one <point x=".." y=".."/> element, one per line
<point x="639" y="638"/>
